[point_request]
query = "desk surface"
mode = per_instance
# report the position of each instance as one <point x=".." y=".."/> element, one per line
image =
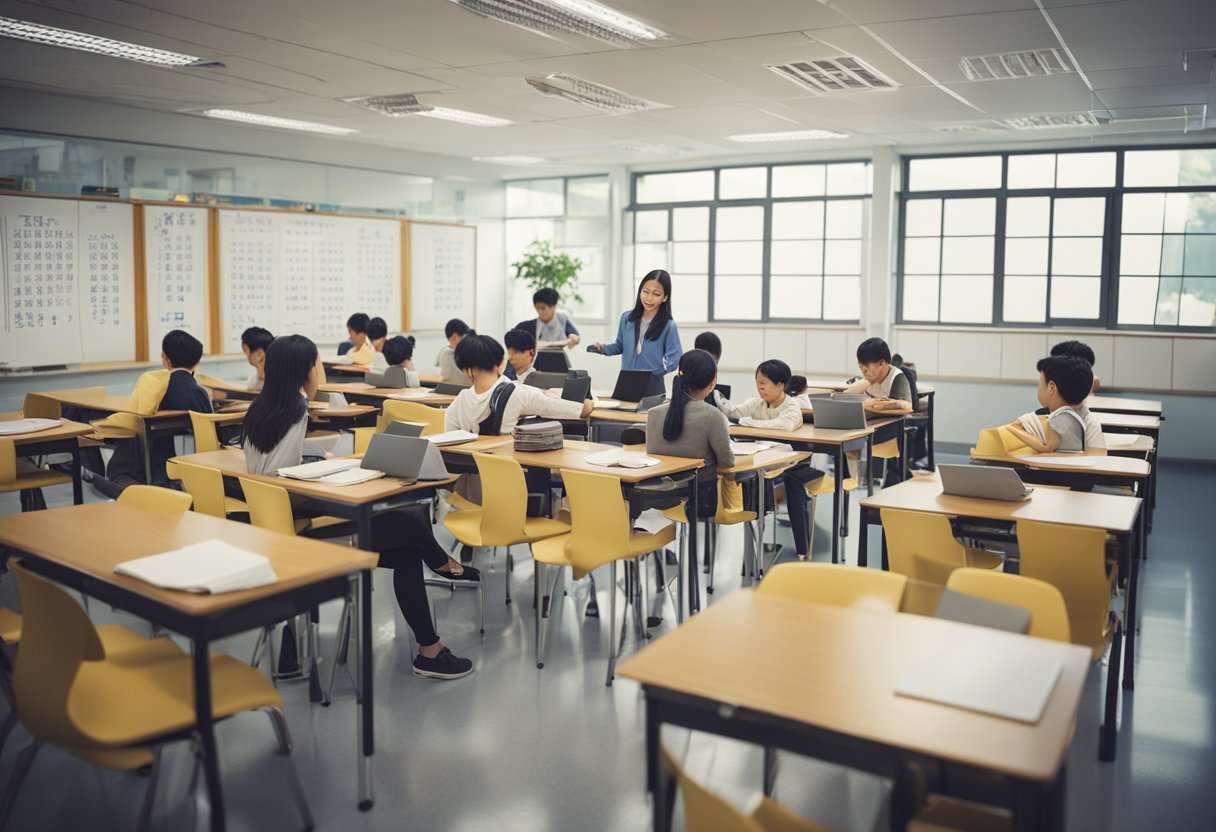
<point x="843" y="679"/>
<point x="1120" y="404"/>
<point x="231" y="463"/>
<point x="93" y="539"/>
<point x="808" y="433"/>
<point x="1128" y="420"/>
<point x="1119" y="443"/>
<point x="613" y="415"/>
<point x="362" y="388"/>
<point x="67" y="429"/>
<point x="1113" y="512"/>
<point x="1114" y="466"/>
<point x="573" y="457"/>
<point x="763" y="461"/>
<point x="109" y="404"/>
<point x="480" y="445"/>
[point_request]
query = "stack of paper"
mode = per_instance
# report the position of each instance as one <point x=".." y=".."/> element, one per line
<point x="621" y="459"/>
<point x="451" y="437"/>
<point x="406" y="395"/>
<point x="17" y="426"/>
<point x="210" y="566"/>
<point x="749" y="448"/>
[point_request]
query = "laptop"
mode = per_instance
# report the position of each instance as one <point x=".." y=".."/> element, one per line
<point x="723" y="390"/>
<point x="545" y="381"/>
<point x="447" y="388"/>
<point x="631" y="385"/>
<point x="552" y="361"/>
<point x="410" y="429"/>
<point x="406" y="457"/>
<point x="988" y="482"/>
<point x="839" y="414"/>
<point x="393" y="377"/>
<point x="577" y="389"/>
<point x="968" y="609"/>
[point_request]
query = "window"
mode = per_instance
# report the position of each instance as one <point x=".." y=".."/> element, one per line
<point x="1077" y="238"/>
<point x="780" y="242"/>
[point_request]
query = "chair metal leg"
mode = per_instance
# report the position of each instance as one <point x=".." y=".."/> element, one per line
<point x="810" y="528"/>
<point x="611" y="629"/>
<point x="507" y="571"/>
<point x="542" y="620"/>
<point x="256" y="659"/>
<point x="274" y="660"/>
<point x="22" y="767"/>
<point x="339" y="649"/>
<point x="145" y="812"/>
<point x="293" y="778"/>
<point x="1107" y="738"/>
<point x="682" y="548"/>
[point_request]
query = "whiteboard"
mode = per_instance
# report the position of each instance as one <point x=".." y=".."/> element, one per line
<point x="175" y="266"/>
<point x="68" y="275"/>
<point x="306" y="273"/>
<point x="443" y="274"/>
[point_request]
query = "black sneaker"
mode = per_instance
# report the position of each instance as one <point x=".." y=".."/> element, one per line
<point x="466" y="553"/>
<point x="443" y="666"/>
<point x="593" y="609"/>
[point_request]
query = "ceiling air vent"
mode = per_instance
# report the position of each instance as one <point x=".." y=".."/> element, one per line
<point x="827" y="75"/>
<point x="404" y="104"/>
<point x="1042" y="122"/>
<point x="1025" y="64"/>
<point x="587" y="93"/>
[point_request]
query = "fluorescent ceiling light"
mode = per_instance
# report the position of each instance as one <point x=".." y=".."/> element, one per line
<point x="463" y="117"/>
<point x="656" y="149"/>
<point x="588" y="94"/>
<point x="68" y="39"/>
<point x="275" y="121"/>
<point x="573" y="17"/>
<point x="788" y="136"/>
<point x="1024" y="64"/>
<point x="1041" y="122"/>
<point x="509" y="160"/>
<point x="966" y="128"/>
<point x="393" y="106"/>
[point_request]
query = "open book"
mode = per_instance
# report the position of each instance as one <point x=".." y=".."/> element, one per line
<point x="406" y="395"/>
<point x="209" y="566"/>
<point x="451" y="437"/>
<point x="750" y="448"/>
<point x="332" y="472"/>
<point x="621" y="459"/>
<point x="18" y="426"/>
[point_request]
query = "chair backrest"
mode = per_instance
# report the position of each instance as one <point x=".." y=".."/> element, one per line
<point x="153" y="498"/>
<point x="38" y="406"/>
<point x="1048" y="613"/>
<point x="399" y="411"/>
<point x="705" y="811"/>
<point x="504" y="500"/>
<point x="206" y="437"/>
<point x="8" y="460"/>
<point x="922" y="545"/>
<point x="835" y="584"/>
<point x="599" y="520"/>
<point x="269" y="506"/>
<point x="56" y="637"/>
<point x="206" y="486"/>
<point x="363" y="438"/>
<point x="1073" y="560"/>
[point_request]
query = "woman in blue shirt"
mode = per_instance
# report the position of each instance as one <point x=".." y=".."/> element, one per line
<point x="647" y="337"/>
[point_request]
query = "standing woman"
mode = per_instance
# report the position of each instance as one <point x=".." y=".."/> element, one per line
<point x="647" y="338"/>
<point x="273" y="438"/>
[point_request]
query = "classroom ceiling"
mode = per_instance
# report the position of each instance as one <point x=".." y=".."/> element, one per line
<point x="1146" y="67"/>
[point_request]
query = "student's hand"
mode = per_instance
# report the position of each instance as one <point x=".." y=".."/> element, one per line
<point x="218" y="395"/>
<point x="743" y="422"/>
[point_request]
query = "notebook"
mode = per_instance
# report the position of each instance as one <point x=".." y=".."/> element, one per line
<point x="621" y="459"/>
<point x="18" y="426"/>
<point x="318" y="471"/>
<point x="406" y="395"/>
<point x="208" y="566"/>
<point x="749" y="448"/>
<point x="451" y="437"/>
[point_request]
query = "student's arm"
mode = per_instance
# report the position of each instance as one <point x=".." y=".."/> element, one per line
<point x="536" y="403"/>
<point x="618" y="346"/>
<point x="892" y="406"/>
<point x="856" y="387"/>
<point x="572" y="336"/>
<point x="672" y="351"/>
<point x="719" y="441"/>
<point x="789" y="417"/>
<point x="732" y="410"/>
<point x="459" y="416"/>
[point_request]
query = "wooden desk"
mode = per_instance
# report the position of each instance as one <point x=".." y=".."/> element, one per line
<point x="1132" y="444"/>
<point x="80" y="547"/>
<point x="360" y="391"/>
<point x="1122" y="404"/>
<point x="1129" y="423"/>
<point x="480" y="445"/>
<point x="63" y="439"/>
<point x="338" y="368"/>
<point x="429" y="379"/>
<point x="1075" y="470"/>
<point x="722" y="672"/>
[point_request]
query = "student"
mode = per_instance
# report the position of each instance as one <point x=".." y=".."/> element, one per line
<point x="1078" y="349"/>
<point x="647" y="337"/>
<point x="688" y="426"/>
<point x="180" y="352"/>
<point x="521" y="353"/>
<point x="399" y="352"/>
<point x="254" y="342"/>
<point x="1064" y="384"/>
<point x="796" y="388"/>
<point x="885" y="386"/>
<point x="377" y="333"/>
<point x="273" y="438"/>
<point x="493" y="405"/>
<point x="361" y="351"/>
<point x="774" y="409"/>
<point x="710" y="343"/>
<point x="550" y="328"/>
<point x="454" y="330"/>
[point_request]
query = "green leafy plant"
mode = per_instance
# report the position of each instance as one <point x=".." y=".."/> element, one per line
<point x="540" y="266"/>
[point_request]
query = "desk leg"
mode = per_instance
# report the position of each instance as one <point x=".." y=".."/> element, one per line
<point x="694" y="570"/>
<point x="870" y="464"/>
<point x="206" y="731"/>
<point x="837" y="499"/>
<point x="367" y="727"/>
<point x="77" y="482"/>
<point x="146" y="441"/>
<point x="656" y="779"/>
<point x="1039" y="806"/>
<point x="1133" y="597"/>
<point x="758" y="550"/>
<point x="863" y="535"/>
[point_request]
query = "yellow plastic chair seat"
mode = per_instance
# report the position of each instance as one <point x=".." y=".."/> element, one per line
<point x="724" y="517"/>
<point x="887" y="450"/>
<point x="827" y="485"/>
<point x="459" y="503"/>
<point x="10" y="625"/>
<point x="234" y="506"/>
<point x="553" y="550"/>
<point x="945" y="814"/>
<point x="465" y="526"/>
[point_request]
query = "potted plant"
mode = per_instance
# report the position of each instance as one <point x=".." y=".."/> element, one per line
<point x="540" y="266"/>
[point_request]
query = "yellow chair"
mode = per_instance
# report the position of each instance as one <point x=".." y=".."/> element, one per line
<point x="601" y="532"/>
<point x="206" y="486"/>
<point x="835" y="584"/>
<point x="938" y="813"/>
<point x="363" y="438"/>
<point x="502" y="518"/>
<point x="705" y="811"/>
<point x="11" y="479"/>
<point x="396" y="410"/>
<point x="156" y="499"/>
<point x="923" y="547"/>
<point x="206" y="437"/>
<point x="111" y="711"/>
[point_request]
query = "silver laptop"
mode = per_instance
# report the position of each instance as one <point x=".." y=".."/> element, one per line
<point x="959" y="606"/>
<point x="839" y="414"/>
<point x="410" y="429"/>
<point x="406" y="457"/>
<point x="545" y="381"/>
<point x="989" y="482"/>
<point x="392" y="377"/>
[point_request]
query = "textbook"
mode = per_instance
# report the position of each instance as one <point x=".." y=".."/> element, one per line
<point x="750" y="448"/>
<point x="621" y="459"/>
<point x="407" y="395"/>
<point x="209" y="566"/>
<point x="19" y="426"/>
<point x="451" y="437"/>
<point x="318" y="471"/>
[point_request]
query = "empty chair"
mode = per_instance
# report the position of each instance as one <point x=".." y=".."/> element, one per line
<point x="154" y="498"/>
<point x="1048" y="613"/>
<point x="923" y="547"/>
<point x="206" y="486"/>
<point x="206" y="436"/>
<point x="835" y="584"/>
<point x="400" y="411"/>
<point x="13" y="478"/>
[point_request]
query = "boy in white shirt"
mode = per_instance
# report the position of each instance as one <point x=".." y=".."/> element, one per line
<point x="454" y="330"/>
<point x="1064" y="383"/>
<point x="254" y="342"/>
<point x="775" y="410"/>
<point x="885" y="385"/>
<point x="521" y="354"/>
<point x="361" y="351"/>
<point x="377" y="334"/>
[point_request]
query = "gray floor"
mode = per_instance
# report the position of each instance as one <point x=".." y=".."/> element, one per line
<point x="512" y="747"/>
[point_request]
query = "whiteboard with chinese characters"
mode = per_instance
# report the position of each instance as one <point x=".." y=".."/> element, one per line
<point x="443" y="274"/>
<point x="68" y="273"/>
<point x="306" y="273"/>
<point x="175" y="269"/>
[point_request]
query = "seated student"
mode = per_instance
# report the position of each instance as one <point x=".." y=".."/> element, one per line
<point x="884" y="384"/>
<point x="712" y="344"/>
<point x="797" y="390"/>
<point x="254" y="342"/>
<point x="399" y="352"/>
<point x="689" y="426"/>
<point x="377" y="333"/>
<point x="1064" y="384"/>
<point x="181" y="353"/>
<point x="361" y="351"/>
<point x="273" y="438"/>
<point x="1078" y="349"/>
<point x="550" y="328"/>
<point x="454" y="330"/>
<point x="774" y="409"/>
<point x="521" y="352"/>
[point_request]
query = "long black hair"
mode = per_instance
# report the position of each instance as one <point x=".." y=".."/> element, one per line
<point x="663" y="315"/>
<point x="280" y="405"/>
<point x="697" y="371"/>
